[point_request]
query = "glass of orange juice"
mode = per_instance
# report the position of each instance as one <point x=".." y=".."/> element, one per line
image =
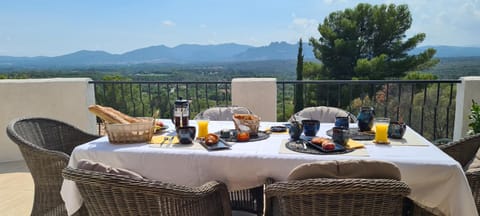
<point x="202" y="129"/>
<point x="381" y="129"/>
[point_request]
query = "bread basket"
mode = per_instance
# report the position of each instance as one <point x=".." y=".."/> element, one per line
<point x="242" y="121"/>
<point x="131" y="133"/>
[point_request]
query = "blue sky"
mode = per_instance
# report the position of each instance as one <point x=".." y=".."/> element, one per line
<point x="57" y="27"/>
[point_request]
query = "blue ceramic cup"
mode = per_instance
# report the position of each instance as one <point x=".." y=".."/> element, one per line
<point x="310" y="127"/>
<point x="186" y="135"/>
<point x="341" y="121"/>
<point x="295" y="130"/>
<point x="396" y="130"/>
<point x="340" y="135"/>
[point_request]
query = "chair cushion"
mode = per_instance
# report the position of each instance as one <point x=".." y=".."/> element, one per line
<point x="475" y="163"/>
<point x="368" y="169"/>
<point x="222" y="113"/>
<point x="324" y="114"/>
<point x="100" y="167"/>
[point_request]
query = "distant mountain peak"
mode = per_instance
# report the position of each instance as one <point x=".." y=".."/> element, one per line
<point x="196" y="53"/>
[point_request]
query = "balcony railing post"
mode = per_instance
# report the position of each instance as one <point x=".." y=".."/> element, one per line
<point x="468" y="89"/>
<point x="258" y="94"/>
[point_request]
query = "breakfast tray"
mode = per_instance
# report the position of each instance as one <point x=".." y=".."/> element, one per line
<point x="355" y="134"/>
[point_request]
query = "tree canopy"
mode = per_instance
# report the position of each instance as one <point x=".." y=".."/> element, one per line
<point x="369" y="42"/>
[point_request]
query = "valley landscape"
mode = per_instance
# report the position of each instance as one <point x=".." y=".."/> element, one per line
<point x="199" y="62"/>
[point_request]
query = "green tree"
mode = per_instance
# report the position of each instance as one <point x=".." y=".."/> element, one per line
<point x="299" y="86"/>
<point x="367" y="42"/>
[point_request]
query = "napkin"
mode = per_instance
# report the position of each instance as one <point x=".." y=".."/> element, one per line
<point x="160" y="139"/>
<point x="352" y="144"/>
<point x="268" y="130"/>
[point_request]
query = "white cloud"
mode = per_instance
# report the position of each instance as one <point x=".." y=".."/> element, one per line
<point x="203" y="25"/>
<point x="448" y="22"/>
<point x="330" y="2"/>
<point x="168" y="23"/>
<point x="304" y="27"/>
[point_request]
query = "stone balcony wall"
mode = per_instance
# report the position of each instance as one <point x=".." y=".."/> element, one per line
<point x="64" y="99"/>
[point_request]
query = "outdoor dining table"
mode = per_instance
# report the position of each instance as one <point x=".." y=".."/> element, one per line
<point x="436" y="180"/>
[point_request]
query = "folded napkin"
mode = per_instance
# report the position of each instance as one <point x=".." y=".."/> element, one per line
<point x="352" y="144"/>
<point x="160" y="139"/>
<point x="268" y="130"/>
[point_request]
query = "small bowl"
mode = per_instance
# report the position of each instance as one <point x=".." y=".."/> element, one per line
<point x="396" y="130"/>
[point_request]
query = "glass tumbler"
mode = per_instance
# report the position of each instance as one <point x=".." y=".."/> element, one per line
<point x="381" y="130"/>
<point x="202" y="125"/>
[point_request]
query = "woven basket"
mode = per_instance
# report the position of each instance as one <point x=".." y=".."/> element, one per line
<point x="130" y="133"/>
<point x="249" y="120"/>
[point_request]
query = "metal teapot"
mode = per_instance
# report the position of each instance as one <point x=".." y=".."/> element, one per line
<point x="365" y="118"/>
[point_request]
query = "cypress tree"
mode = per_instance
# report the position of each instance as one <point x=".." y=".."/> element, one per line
<point x="299" y="86"/>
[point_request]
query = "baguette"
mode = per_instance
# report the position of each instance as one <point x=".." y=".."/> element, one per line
<point x="124" y="116"/>
<point x="107" y="115"/>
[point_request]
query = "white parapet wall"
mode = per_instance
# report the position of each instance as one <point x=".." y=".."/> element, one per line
<point x="64" y="99"/>
<point x="257" y="94"/>
<point x="467" y="90"/>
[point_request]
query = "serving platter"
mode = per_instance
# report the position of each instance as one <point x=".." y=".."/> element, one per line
<point x="355" y="134"/>
<point x="261" y="136"/>
<point x="303" y="146"/>
<point x="220" y="145"/>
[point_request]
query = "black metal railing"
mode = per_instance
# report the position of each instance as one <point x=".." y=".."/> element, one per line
<point x="426" y="106"/>
<point x="142" y="98"/>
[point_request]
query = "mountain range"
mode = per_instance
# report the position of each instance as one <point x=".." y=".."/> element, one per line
<point x="192" y="53"/>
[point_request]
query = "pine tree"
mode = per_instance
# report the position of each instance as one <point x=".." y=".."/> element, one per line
<point x="369" y="42"/>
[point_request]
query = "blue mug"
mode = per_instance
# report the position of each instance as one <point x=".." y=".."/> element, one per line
<point x="310" y="127"/>
<point x="340" y="135"/>
<point x="295" y="130"/>
<point x="396" y="130"/>
<point x="186" y="135"/>
<point x="341" y="121"/>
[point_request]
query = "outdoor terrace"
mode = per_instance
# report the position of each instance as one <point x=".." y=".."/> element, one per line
<point x="436" y="109"/>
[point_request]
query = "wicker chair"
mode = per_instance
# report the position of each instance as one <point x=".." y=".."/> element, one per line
<point x="249" y="200"/>
<point x="46" y="145"/>
<point x="222" y="113"/>
<point x="462" y="150"/>
<point x="324" y="114"/>
<point x="110" y="194"/>
<point x="473" y="177"/>
<point x="336" y="196"/>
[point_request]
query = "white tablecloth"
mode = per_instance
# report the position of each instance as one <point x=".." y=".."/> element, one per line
<point x="437" y="181"/>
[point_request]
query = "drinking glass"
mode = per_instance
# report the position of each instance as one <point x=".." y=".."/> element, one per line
<point x="381" y="129"/>
<point x="202" y="127"/>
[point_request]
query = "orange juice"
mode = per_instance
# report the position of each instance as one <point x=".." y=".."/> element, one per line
<point x="202" y="128"/>
<point x="381" y="129"/>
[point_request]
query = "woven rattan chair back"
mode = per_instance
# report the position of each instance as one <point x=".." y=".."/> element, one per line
<point x="222" y="113"/>
<point x="324" y="114"/>
<point x="336" y="196"/>
<point x="463" y="150"/>
<point x="46" y="145"/>
<point x="109" y="194"/>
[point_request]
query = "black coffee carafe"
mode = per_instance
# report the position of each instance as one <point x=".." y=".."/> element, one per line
<point x="181" y="113"/>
